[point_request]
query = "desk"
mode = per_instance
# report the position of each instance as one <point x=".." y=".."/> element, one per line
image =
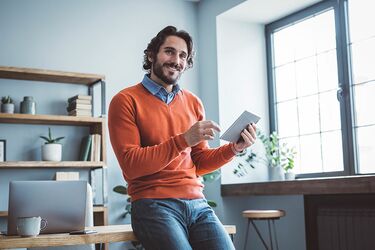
<point x="106" y="234"/>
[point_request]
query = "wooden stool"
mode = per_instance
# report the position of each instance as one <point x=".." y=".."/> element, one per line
<point x="269" y="215"/>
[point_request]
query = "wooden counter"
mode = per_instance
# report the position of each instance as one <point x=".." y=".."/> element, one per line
<point x="357" y="184"/>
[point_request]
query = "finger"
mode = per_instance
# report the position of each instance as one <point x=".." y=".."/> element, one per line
<point x="209" y="131"/>
<point x="249" y="138"/>
<point x="211" y="124"/>
<point x="208" y="137"/>
<point x="252" y="131"/>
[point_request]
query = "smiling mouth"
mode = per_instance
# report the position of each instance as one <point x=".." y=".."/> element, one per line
<point x="174" y="68"/>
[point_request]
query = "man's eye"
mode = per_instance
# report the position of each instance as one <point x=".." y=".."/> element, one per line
<point x="168" y="52"/>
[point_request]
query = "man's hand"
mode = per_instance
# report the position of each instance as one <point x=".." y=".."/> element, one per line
<point x="202" y="130"/>
<point x="248" y="137"/>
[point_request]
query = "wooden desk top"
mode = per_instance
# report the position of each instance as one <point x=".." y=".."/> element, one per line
<point x="106" y="234"/>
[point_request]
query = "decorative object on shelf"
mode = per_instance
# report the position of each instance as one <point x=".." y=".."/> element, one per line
<point x="28" y="105"/>
<point x="7" y="105"/>
<point x="79" y="105"/>
<point x="2" y="150"/>
<point x="280" y="157"/>
<point x="51" y="150"/>
<point x="288" y="155"/>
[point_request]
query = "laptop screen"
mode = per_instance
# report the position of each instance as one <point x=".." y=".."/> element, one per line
<point x="61" y="203"/>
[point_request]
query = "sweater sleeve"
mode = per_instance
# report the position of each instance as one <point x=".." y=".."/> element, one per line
<point x="205" y="159"/>
<point x="137" y="161"/>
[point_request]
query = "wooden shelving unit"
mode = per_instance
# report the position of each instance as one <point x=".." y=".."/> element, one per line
<point x="95" y="124"/>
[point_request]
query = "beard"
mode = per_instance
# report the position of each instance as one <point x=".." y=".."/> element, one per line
<point x="169" y="79"/>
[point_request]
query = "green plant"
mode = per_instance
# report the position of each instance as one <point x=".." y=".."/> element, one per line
<point x="248" y="158"/>
<point x="49" y="139"/>
<point x="6" y="100"/>
<point x="278" y="155"/>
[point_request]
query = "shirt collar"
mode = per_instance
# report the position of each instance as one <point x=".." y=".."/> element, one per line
<point x="154" y="88"/>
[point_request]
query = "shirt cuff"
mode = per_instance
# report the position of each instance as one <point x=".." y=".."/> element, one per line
<point x="235" y="151"/>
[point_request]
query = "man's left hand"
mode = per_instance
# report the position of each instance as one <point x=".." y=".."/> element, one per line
<point x="248" y="138"/>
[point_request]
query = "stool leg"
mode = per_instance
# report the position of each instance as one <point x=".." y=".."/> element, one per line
<point x="270" y="233"/>
<point x="247" y="232"/>
<point x="260" y="236"/>
<point x="274" y="232"/>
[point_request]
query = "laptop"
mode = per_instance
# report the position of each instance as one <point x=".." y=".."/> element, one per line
<point x="61" y="203"/>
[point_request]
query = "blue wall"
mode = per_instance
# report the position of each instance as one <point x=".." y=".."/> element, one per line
<point x="108" y="37"/>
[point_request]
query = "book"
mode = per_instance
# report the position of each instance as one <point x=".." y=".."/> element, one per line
<point x="85" y="148"/>
<point x="233" y="133"/>
<point x="67" y="176"/>
<point x="80" y="97"/>
<point x="79" y="101"/>
<point x="80" y="112"/>
<point x="79" y="106"/>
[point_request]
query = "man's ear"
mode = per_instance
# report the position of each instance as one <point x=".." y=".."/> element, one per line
<point x="150" y="57"/>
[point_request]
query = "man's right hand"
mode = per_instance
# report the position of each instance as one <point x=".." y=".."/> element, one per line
<point x="202" y="130"/>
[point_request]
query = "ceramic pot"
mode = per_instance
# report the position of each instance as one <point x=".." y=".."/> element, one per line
<point x="276" y="173"/>
<point x="28" y="105"/>
<point x="7" y="108"/>
<point x="290" y="176"/>
<point x="51" y="152"/>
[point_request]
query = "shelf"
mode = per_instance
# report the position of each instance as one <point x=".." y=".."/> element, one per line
<point x="3" y="214"/>
<point x="51" y="164"/>
<point x="49" y="75"/>
<point x="49" y="119"/>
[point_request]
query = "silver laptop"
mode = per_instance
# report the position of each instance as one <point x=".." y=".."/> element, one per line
<point x="61" y="203"/>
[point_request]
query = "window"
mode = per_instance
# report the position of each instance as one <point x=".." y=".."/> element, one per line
<point x="321" y="79"/>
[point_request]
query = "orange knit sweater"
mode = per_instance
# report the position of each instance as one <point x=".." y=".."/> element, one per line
<point x="146" y="135"/>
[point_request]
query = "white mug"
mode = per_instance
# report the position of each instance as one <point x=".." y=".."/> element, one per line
<point x="30" y="226"/>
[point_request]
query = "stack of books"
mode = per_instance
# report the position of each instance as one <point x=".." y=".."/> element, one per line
<point x="80" y="105"/>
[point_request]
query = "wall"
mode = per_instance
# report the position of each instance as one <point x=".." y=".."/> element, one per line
<point x="103" y="37"/>
<point x="233" y="73"/>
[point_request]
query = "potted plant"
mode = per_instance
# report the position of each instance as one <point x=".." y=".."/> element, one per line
<point x="51" y="150"/>
<point x="7" y="105"/>
<point x="287" y="161"/>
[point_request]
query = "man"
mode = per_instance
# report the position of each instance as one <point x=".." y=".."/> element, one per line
<point x="159" y="134"/>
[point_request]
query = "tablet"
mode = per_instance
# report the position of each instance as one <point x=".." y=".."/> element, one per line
<point x="233" y="133"/>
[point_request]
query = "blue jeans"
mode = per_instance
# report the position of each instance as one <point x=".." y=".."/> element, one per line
<point x="178" y="224"/>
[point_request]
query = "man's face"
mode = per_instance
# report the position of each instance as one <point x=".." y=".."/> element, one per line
<point x="170" y="62"/>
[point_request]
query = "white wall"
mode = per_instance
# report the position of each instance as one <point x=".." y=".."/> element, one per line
<point x="242" y="80"/>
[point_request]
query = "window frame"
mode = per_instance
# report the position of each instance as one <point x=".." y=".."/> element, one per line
<point x="344" y="78"/>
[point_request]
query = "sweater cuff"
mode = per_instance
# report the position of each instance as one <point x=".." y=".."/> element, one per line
<point x="180" y="142"/>
<point x="228" y="152"/>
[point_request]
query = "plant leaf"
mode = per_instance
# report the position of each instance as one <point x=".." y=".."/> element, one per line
<point x="120" y="189"/>
<point x="211" y="203"/>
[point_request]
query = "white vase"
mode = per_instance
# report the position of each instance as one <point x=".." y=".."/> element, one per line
<point x="276" y="173"/>
<point x="51" y="152"/>
<point x="290" y="176"/>
<point x="7" y="108"/>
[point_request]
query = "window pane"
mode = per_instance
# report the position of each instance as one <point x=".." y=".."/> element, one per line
<point x="308" y="114"/>
<point x="284" y="46"/>
<point x="329" y="111"/>
<point x="305" y="38"/>
<point x="366" y="149"/>
<point x="332" y="151"/>
<point x="364" y="104"/>
<point x="285" y="82"/>
<point x="363" y="61"/>
<point x="287" y="118"/>
<point x="361" y="19"/>
<point x="311" y="155"/>
<point x="325" y="31"/>
<point x="306" y="76"/>
<point x="327" y="71"/>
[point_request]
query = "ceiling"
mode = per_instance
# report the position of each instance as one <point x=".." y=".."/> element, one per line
<point x="265" y="11"/>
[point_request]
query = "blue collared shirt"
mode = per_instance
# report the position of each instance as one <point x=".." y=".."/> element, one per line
<point x="159" y="91"/>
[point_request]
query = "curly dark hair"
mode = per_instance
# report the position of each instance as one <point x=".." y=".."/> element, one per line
<point x="155" y="43"/>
